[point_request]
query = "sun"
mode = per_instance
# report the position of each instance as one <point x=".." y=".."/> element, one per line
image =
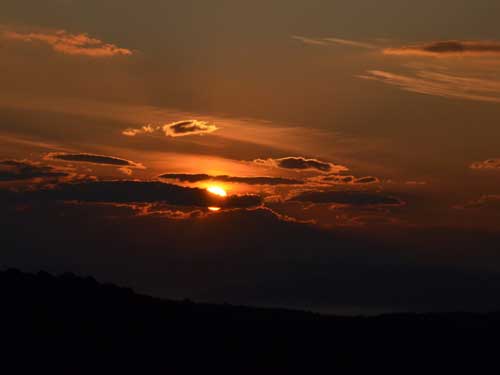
<point x="217" y="190"/>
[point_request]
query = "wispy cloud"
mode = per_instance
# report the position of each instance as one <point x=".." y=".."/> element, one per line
<point x="440" y="84"/>
<point x="342" y="179"/>
<point x="488" y="201"/>
<point x="147" y="129"/>
<point x="447" y="48"/>
<point x="311" y="41"/>
<point x="349" y="198"/>
<point x="486" y="164"/>
<point x="338" y="41"/>
<point x="70" y="44"/>
<point x="439" y="48"/>
<point x="175" y="129"/>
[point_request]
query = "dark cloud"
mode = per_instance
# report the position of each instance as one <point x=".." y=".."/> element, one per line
<point x="124" y="191"/>
<point x="367" y="180"/>
<point x="188" y="127"/>
<point x="13" y="170"/>
<point x="447" y="48"/>
<point x="184" y="177"/>
<point x="301" y="163"/>
<point x="339" y="179"/>
<point x="93" y="159"/>
<point x="353" y="198"/>
<point x="486" y="164"/>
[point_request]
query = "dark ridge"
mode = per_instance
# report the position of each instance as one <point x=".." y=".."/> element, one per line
<point x="73" y="325"/>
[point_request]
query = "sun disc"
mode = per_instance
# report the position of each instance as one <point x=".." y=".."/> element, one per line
<point x="217" y="190"/>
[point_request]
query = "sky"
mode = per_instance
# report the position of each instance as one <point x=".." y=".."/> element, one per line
<point x="356" y="144"/>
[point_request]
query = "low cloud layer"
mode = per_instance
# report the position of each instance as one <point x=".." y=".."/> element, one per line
<point x="193" y="178"/>
<point x="15" y="170"/>
<point x="301" y="163"/>
<point x="175" y="129"/>
<point x="69" y="44"/>
<point x="95" y="159"/>
<point x="448" y="48"/>
<point x="126" y="191"/>
<point x="351" y="198"/>
<point x="486" y="164"/>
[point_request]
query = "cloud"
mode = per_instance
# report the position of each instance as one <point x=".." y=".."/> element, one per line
<point x="189" y="127"/>
<point x="330" y="40"/>
<point x="486" y="164"/>
<point x="440" y="84"/>
<point x="339" y="179"/>
<point x="94" y="159"/>
<point x="136" y="209"/>
<point x="311" y="41"/>
<point x="448" y="48"/>
<point x="192" y="178"/>
<point x="126" y="171"/>
<point x="367" y="180"/>
<point x="175" y="129"/>
<point x="14" y="170"/>
<point x="69" y="44"/>
<point x="440" y="48"/>
<point x="301" y="163"/>
<point x="131" y="132"/>
<point x="351" y="198"/>
<point x="490" y="201"/>
<point x="126" y="191"/>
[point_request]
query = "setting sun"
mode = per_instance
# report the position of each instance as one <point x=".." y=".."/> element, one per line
<point x="217" y="190"/>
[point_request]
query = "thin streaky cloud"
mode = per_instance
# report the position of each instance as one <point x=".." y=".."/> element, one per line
<point x="351" y="43"/>
<point x="305" y="40"/>
<point x="332" y="40"/>
<point x="447" y="48"/>
<point x="440" y="84"/>
<point x="69" y="44"/>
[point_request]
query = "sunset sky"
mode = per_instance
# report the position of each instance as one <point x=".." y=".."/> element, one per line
<point x="357" y="144"/>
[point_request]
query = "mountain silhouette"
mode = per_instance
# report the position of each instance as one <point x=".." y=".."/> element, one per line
<point x="75" y="325"/>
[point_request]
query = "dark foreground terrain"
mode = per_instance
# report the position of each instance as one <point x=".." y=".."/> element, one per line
<point x="72" y="325"/>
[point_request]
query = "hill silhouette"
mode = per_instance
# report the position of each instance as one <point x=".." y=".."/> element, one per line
<point x="74" y="325"/>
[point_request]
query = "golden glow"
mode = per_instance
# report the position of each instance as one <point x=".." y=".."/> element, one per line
<point x="217" y="190"/>
<point x="214" y="209"/>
